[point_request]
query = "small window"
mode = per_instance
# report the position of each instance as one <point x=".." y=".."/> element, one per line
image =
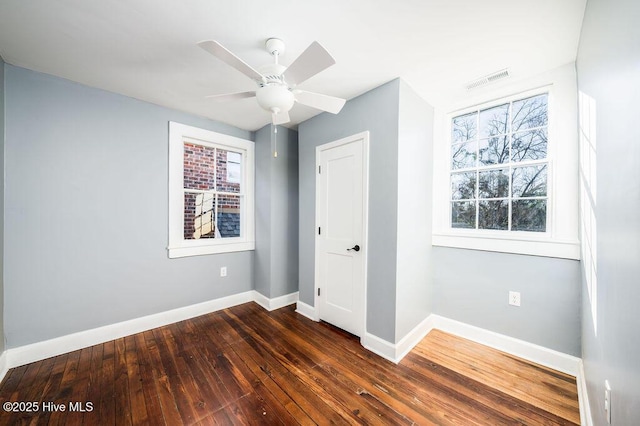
<point x="211" y="192"/>
<point x="499" y="168"/>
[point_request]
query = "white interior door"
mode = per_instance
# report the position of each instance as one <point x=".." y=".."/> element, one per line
<point x="341" y="219"/>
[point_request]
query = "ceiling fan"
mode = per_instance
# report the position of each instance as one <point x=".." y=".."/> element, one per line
<point x="277" y="84"/>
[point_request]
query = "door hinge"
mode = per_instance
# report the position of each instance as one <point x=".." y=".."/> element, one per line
<point x="319" y="169"/>
<point x="319" y="231"/>
<point x="318" y="291"/>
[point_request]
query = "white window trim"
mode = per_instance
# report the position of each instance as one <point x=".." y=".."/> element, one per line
<point x="178" y="246"/>
<point x="561" y="238"/>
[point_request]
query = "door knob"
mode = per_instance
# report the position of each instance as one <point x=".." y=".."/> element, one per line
<point x="354" y="248"/>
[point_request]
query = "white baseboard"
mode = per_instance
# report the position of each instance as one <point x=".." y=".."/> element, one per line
<point x="26" y="354"/>
<point x="539" y="354"/>
<point x="544" y="356"/>
<point x="4" y="365"/>
<point x="379" y="347"/>
<point x="411" y="339"/>
<point x="583" y="398"/>
<point x="307" y="311"/>
<point x="395" y="352"/>
<point x="276" y="302"/>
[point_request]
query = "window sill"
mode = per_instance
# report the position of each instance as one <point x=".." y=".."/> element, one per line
<point x="535" y="245"/>
<point x="198" y="250"/>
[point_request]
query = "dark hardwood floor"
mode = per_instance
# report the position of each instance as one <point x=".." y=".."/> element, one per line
<point x="245" y="365"/>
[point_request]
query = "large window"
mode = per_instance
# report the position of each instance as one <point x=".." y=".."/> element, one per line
<point x="210" y="192"/>
<point x="499" y="167"/>
<point x="505" y="170"/>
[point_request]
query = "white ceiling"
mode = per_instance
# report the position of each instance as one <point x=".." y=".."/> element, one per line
<point x="146" y="49"/>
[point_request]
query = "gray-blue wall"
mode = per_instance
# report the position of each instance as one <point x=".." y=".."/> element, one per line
<point x="375" y="111"/>
<point x="86" y="212"/>
<point x="1" y="205"/>
<point x="472" y="286"/>
<point x="608" y="67"/>
<point x="276" y="256"/>
<point x="262" y="256"/>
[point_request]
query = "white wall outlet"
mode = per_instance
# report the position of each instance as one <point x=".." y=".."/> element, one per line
<point x="514" y="298"/>
<point x="607" y="401"/>
<point x="223" y="271"/>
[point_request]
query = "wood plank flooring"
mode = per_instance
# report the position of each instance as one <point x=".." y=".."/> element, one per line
<point x="245" y="365"/>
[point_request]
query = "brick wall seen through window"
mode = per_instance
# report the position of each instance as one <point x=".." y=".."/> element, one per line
<point x="212" y="204"/>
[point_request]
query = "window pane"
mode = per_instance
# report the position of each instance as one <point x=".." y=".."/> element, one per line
<point x="529" y="145"/>
<point x="229" y="216"/>
<point x="493" y="151"/>
<point x="463" y="214"/>
<point x="530" y="181"/>
<point x="198" y="216"/>
<point x="530" y="112"/>
<point x="463" y="186"/>
<point x="493" y="184"/>
<point x="463" y="128"/>
<point x="199" y="162"/>
<point x="504" y="136"/>
<point x="223" y="183"/>
<point x="234" y="167"/>
<point x="493" y="214"/>
<point x="494" y="121"/>
<point x="529" y="215"/>
<point x="463" y="155"/>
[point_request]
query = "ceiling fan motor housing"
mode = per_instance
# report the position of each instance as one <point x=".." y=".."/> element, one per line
<point x="274" y="94"/>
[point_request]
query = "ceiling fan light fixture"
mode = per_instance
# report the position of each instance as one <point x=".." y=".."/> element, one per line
<point x="272" y="97"/>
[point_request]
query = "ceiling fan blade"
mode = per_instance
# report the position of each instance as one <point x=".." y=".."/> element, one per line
<point x="280" y="118"/>
<point x="313" y="60"/>
<point x="220" y="52"/>
<point x="231" y="96"/>
<point x="319" y="101"/>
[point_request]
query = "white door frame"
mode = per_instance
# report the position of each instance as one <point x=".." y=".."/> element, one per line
<point x="364" y="137"/>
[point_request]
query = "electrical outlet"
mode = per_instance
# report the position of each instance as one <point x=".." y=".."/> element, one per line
<point x="223" y="271"/>
<point x="607" y="401"/>
<point x="514" y="298"/>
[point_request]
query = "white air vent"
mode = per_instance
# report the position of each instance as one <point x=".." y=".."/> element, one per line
<point x="498" y="75"/>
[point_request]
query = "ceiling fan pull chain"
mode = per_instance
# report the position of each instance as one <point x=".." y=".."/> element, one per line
<point x="275" y="140"/>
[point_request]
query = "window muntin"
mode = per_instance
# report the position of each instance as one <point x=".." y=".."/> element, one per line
<point x="210" y="192"/>
<point x="499" y="167"/>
